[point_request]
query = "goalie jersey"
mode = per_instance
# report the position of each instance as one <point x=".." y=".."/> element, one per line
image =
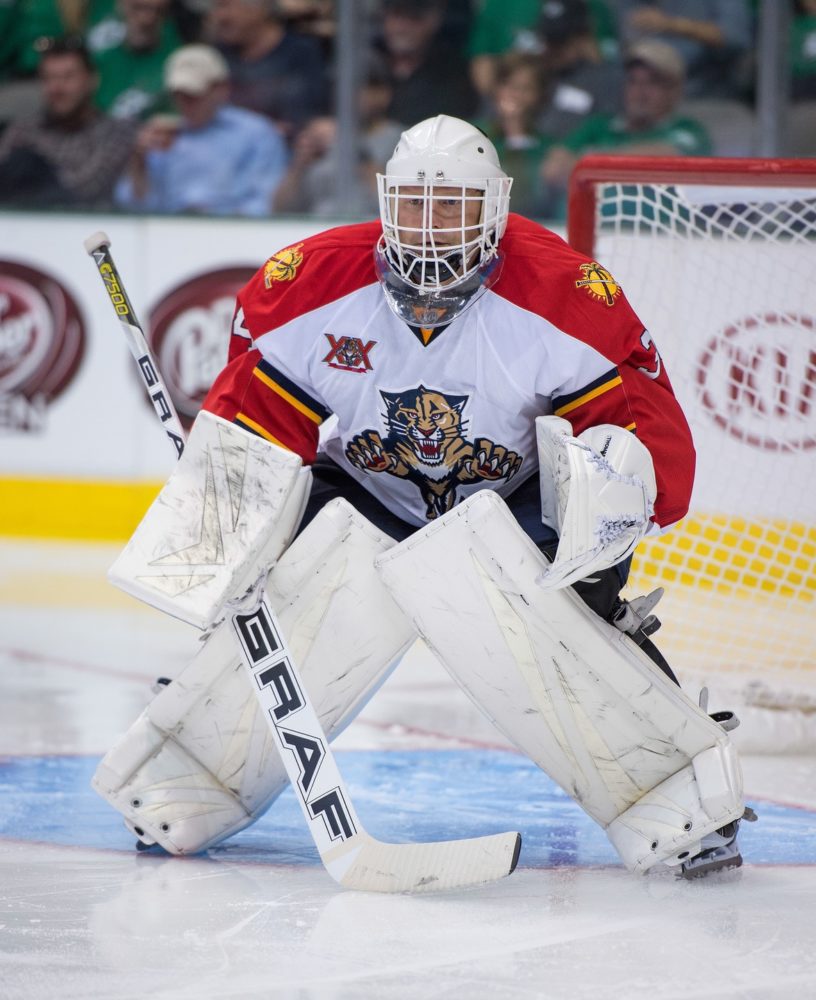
<point x="427" y="416"/>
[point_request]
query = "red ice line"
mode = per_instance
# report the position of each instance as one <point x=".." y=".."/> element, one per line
<point x="29" y="656"/>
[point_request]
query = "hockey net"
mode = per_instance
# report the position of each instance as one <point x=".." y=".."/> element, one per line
<point x="718" y="258"/>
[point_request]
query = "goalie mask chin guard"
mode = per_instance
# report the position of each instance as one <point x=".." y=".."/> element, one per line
<point x="444" y="202"/>
<point x="433" y="308"/>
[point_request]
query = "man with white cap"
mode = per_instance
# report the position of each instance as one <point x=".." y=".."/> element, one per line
<point x="712" y="37"/>
<point x="212" y="158"/>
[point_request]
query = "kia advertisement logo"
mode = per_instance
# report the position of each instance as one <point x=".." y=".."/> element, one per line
<point x="189" y="334"/>
<point x="42" y="342"/>
<point x="757" y="381"/>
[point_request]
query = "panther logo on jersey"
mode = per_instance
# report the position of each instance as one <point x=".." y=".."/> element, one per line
<point x="425" y="443"/>
<point x="599" y="283"/>
<point x="283" y="265"/>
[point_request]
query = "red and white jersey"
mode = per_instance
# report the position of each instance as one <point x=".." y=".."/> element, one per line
<point x="425" y="417"/>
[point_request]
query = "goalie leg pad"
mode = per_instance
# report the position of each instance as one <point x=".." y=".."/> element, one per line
<point x="199" y="764"/>
<point x="230" y="507"/>
<point x="668" y="823"/>
<point x="571" y="691"/>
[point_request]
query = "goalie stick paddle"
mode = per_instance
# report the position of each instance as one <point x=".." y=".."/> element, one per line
<point x="351" y="856"/>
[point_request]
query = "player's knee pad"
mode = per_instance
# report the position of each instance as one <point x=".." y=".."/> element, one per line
<point x="200" y="763"/>
<point x="573" y="692"/>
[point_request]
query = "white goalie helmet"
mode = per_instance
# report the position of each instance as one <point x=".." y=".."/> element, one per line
<point x="444" y="201"/>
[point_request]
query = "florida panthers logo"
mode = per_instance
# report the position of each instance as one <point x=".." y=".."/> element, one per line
<point x="425" y="443"/>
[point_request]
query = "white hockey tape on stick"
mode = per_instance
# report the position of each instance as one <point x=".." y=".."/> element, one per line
<point x="351" y="856"/>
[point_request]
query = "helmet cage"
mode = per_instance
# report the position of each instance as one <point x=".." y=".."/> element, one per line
<point x="439" y="250"/>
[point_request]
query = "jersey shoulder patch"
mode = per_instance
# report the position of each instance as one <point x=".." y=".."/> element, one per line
<point x="598" y="283"/>
<point x="283" y="265"/>
<point x="308" y="274"/>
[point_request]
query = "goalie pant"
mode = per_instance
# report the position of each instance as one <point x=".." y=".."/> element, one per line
<point x="598" y="572"/>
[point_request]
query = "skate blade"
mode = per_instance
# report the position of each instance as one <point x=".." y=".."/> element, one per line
<point x="714" y="865"/>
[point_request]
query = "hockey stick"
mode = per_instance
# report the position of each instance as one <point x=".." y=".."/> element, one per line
<point x="351" y="856"/>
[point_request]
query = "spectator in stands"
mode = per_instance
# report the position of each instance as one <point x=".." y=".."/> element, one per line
<point x="9" y="15"/>
<point x="106" y="22"/>
<point x="71" y="153"/>
<point x="799" y="132"/>
<point x="310" y="184"/>
<point x="214" y="159"/>
<point x="803" y="51"/>
<point x="131" y="71"/>
<point x="583" y="82"/>
<point x="518" y="96"/>
<point x="23" y="22"/>
<point x="311" y="17"/>
<point x="514" y="26"/>
<point x="429" y="76"/>
<point x="273" y="70"/>
<point x="648" y="124"/>
<point x="713" y="37"/>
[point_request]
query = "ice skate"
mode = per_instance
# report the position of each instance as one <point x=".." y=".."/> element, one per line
<point x="720" y="851"/>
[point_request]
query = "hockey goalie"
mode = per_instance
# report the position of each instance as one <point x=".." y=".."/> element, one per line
<point x="504" y="433"/>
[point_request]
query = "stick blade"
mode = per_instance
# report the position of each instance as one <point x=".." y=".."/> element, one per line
<point x="450" y="864"/>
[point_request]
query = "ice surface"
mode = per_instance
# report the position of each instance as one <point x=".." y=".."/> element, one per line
<point x="83" y="915"/>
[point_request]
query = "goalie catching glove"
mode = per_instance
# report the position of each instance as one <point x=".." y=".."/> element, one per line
<point x="597" y="492"/>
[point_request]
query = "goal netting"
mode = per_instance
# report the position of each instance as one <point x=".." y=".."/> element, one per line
<point x="718" y="258"/>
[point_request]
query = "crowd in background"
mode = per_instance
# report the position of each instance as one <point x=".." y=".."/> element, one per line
<point x="225" y="107"/>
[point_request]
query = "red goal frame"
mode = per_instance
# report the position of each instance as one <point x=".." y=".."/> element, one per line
<point x="709" y="170"/>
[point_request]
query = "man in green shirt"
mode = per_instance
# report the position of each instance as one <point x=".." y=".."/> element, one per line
<point x="131" y="70"/>
<point x="502" y="26"/>
<point x="802" y="50"/>
<point x="23" y="22"/>
<point x="647" y="125"/>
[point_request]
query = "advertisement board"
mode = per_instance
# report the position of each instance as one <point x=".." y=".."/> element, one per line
<point x="81" y="449"/>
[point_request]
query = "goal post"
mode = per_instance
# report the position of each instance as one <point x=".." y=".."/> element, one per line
<point x="718" y="258"/>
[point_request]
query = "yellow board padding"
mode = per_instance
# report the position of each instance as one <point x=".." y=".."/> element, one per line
<point x="62" y="589"/>
<point x="732" y="555"/>
<point x="73" y="509"/>
<point x="716" y="553"/>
